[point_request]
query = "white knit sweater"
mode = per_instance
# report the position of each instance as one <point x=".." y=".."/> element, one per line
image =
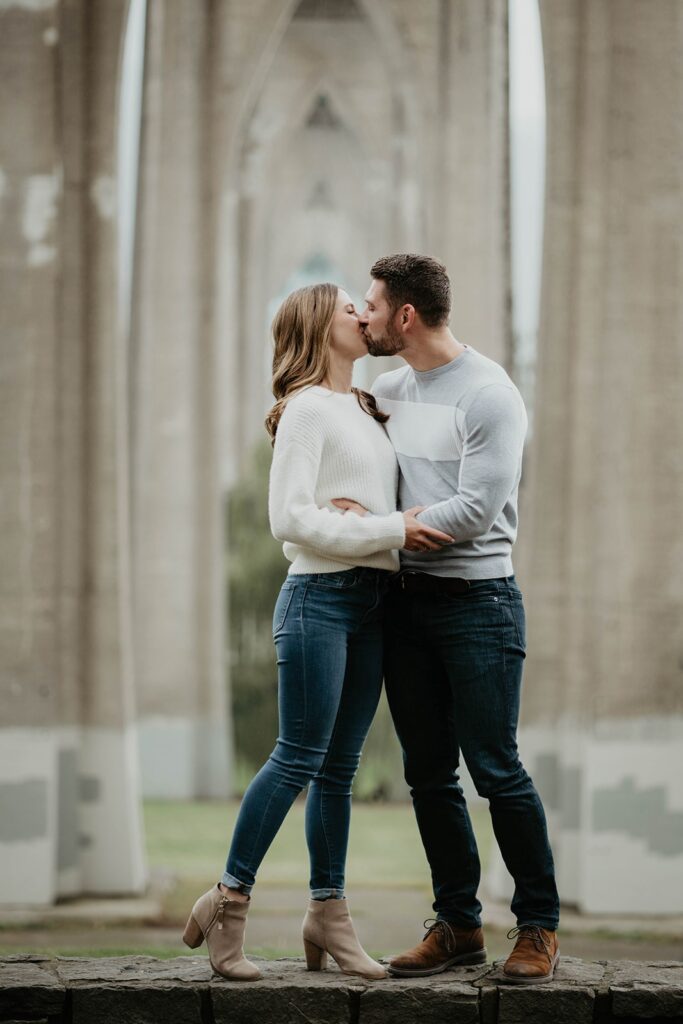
<point x="327" y="447"/>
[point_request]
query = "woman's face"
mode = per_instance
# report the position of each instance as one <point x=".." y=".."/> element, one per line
<point x="346" y="338"/>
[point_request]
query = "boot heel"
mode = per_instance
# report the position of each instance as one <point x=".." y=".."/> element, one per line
<point x="316" y="958"/>
<point x="480" y="957"/>
<point x="193" y="936"/>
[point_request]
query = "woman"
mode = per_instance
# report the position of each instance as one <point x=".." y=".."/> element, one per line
<point x="329" y="443"/>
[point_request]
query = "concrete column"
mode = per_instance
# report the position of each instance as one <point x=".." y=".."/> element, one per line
<point x="33" y="560"/>
<point x="179" y="598"/>
<point x="112" y="857"/>
<point x="69" y="815"/>
<point x="468" y="206"/>
<point x="601" y="531"/>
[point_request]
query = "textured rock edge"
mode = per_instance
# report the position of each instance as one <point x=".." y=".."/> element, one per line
<point x="65" y="989"/>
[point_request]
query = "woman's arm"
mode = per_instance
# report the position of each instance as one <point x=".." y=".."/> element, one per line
<point x="294" y="515"/>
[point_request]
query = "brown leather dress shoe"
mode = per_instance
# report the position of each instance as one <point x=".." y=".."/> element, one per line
<point x="535" y="956"/>
<point x="443" y="946"/>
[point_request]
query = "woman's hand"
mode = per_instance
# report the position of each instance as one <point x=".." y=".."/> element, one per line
<point x="347" y="505"/>
<point x="420" y="537"/>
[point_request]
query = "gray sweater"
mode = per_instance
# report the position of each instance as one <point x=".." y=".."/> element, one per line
<point x="458" y="432"/>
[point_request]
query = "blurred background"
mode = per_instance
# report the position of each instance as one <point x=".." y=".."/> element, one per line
<point x="169" y="171"/>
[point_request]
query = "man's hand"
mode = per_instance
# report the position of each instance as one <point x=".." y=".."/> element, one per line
<point x="420" y="537"/>
<point x="346" y="505"/>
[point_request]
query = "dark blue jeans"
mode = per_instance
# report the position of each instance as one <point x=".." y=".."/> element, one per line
<point x="453" y="669"/>
<point x="327" y="629"/>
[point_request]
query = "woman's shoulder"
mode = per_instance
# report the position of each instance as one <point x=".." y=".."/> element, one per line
<point x="304" y="415"/>
<point x="305" y="405"/>
<point x="310" y="397"/>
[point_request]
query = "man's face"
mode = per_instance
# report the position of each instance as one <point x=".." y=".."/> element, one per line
<point x="378" y="323"/>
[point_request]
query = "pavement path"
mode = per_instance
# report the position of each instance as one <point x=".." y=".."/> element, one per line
<point x="388" y="920"/>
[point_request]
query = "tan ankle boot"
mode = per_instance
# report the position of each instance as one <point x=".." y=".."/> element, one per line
<point x="222" y="922"/>
<point x="328" y="928"/>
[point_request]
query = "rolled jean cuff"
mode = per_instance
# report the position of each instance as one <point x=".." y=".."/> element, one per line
<point x="327" y="894"/>
<point x="234" y="883"/>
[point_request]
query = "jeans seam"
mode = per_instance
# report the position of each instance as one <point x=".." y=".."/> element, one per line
<point x="254" y="844"/>
<point x="503" y="644"/>
<point x="518" y="635"/>
<point x="303" y="673"/>
<point x="322" y="788"/>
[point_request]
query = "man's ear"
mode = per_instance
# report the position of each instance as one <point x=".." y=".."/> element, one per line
<point x="407" y="316"/>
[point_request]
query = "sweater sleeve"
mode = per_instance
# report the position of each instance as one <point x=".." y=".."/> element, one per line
<point x="294" y="515"/>
<point x="495" y="427"/>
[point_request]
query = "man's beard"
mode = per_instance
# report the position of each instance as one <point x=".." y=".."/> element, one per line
<point x="388" y="344"/>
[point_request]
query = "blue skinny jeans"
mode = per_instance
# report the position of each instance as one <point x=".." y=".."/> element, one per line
<point x="327" y="629"/>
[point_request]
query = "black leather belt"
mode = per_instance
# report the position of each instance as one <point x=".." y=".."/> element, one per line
<point x="413" y="582"/>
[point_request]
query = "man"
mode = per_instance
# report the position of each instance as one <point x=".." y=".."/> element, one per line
<point x="454" y="632"/>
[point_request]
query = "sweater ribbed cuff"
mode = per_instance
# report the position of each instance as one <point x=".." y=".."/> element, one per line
<point x="396" y="528"/>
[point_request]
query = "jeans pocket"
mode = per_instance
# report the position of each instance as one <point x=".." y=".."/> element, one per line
<point x="281" y="608"/>
<point x="482" y="593"/>
<point x="335" y="580"/>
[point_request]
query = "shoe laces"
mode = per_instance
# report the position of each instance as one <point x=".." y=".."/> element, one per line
<point x="444" y="931"/>
<point x="536" y="934"/>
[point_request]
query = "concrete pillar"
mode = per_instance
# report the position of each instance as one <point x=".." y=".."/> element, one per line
<point x="112" y="857"/>
<point x="69" y="814"/>
<point x="601" y="532"/>
<point x="178" y="545"/>
<point x="468" y="223"/>
<point x="34" y="561"/>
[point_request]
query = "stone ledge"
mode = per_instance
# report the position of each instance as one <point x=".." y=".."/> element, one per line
<point x="143" y="990"/>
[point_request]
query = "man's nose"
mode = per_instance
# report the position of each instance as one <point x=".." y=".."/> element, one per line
<point x="363" y="317"/>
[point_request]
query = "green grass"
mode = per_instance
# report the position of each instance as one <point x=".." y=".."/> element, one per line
<point x="190" y="841"/>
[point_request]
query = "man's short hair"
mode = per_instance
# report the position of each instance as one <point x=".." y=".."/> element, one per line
<point x="420" y="281"/>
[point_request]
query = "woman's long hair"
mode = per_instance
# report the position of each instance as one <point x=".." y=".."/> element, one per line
<point x="302" y="329"/>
